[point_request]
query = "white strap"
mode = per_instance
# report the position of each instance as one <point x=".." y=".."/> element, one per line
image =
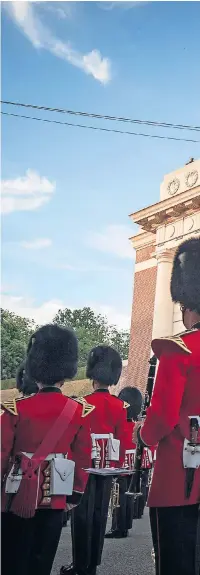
<point x="48" y="458"/>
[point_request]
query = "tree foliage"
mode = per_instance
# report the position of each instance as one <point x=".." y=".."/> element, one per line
<point x="91" y="329"/>
<point x="15" y="333"/>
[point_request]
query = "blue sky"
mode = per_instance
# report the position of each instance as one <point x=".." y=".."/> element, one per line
<point x="67" y="192"/>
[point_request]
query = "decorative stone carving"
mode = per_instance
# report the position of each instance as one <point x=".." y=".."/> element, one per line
<point x="170" y="231"/>
<point x="173" y="187"/>
<point x="191" y="178"/>
<point x="188" y="225"/>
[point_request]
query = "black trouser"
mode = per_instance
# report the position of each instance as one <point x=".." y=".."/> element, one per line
<point x="88" y="523"/>
<point x="145" y="483"/>
<point x="174" y="534"/>
<point x="28" y="546"/>
<point x="66" y="517"/>
<point x="122" y="517"/>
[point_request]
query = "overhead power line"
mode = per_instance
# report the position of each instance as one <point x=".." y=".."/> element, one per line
<point x="103" y="117"/>
<point x="101" y="129"/>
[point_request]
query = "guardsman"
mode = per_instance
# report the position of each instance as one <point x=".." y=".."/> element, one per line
<point x="173" y="421"/>
<point x="46" y="443"/>
<point x="89" y="519"/>
<point x="122" y="517"/>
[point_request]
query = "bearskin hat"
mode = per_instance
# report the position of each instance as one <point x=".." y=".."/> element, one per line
<point x="133" y="396"/>
<point x="104" y="365"/>
<point x="53" y="355"/>
<point x="24" y="384"/>
<point x="185" y="279"/>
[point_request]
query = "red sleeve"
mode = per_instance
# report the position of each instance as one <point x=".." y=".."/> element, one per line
<point x="8" y="425"/>
<point x="121" y="434"/>
<point x="81" y="453"/>
<point x="163" y="414"/>
<point x="129" y="435"/>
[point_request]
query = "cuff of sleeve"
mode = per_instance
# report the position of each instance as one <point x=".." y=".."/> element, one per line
<point x="75" y="498"/>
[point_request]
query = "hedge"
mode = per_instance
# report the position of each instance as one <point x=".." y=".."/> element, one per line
<point x="11" y="383"/>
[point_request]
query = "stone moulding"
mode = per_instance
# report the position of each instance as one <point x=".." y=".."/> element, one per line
<point x="168" y="210"/>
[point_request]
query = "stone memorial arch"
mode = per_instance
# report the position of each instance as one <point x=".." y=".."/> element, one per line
<point x="162" y="227"/>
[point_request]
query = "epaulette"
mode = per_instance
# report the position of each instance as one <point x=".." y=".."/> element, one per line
<point x="126" y="405"/>
<point x="87" y="407"/>
<point x="9" y="406"/>
<point x="187" y="331"/>
<point x="169" y="343"/>
<point x="25" y="397"/>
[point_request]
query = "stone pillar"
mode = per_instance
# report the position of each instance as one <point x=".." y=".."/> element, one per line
<point x="163" y="306"/>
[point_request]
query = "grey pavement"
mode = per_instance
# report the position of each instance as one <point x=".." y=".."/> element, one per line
<point x="131" y="556"/>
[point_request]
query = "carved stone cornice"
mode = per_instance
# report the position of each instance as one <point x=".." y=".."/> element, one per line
<point x="167" y="210"/>
<point x="143" y="240"/>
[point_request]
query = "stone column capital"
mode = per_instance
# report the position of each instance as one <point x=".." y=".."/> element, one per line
<point x="165" y="256"/>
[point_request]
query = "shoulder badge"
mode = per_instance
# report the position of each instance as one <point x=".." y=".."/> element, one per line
<point x="25" y="397"/>
<point x="186" y="332"/>
<point x="169" y="343"/>
<point x="10" y="406"/>
<point x="87" y="407"/>
<point x="126" y="405"/>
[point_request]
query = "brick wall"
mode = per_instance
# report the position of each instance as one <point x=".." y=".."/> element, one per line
<point x="144" y="253"/>
<point x="141" y="323"/>
<point x="123" y="382"/>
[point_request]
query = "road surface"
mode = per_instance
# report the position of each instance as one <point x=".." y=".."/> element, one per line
<point x="131" y="556"/>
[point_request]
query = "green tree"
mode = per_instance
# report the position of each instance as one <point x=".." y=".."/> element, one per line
<point x="15" y="333"/>
<point x="120" y="340"/>
<point x="91" y="330"/>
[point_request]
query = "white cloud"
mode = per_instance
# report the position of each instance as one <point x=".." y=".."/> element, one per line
<point x="25" y="16"/>
<point x="114" y="240"/>
<point x="114" y="317"/>
<point x="26" y="308"/>
<point x="25" y="193"/>
<point x="38" y="244"/>
<point x="61" y="13"/>
<point x="126" y="5"/>
<point x="46" y="311"/>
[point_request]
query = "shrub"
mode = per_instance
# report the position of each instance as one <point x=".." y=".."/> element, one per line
<point x="11" y="383"/>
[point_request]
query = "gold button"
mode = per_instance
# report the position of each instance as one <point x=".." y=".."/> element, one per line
<point x="46" y="485"/>
<point x="45" y="501"/>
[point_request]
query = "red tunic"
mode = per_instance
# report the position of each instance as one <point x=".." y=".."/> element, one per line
<point x="129" y="435"/>
<point x="176" y="397"/>
<point x="109" y="417"/>
<point x="25" y="423"/>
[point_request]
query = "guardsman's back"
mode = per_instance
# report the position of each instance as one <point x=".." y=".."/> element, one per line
<point x="110" y="412"/>
<point x="180" y="354"/>
<point x="90" y="517"/>
<point x="46" y="444"/>
<point x="173" y="421"/>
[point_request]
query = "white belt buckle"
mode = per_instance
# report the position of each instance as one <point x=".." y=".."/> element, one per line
<point x="191" y="455"/>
